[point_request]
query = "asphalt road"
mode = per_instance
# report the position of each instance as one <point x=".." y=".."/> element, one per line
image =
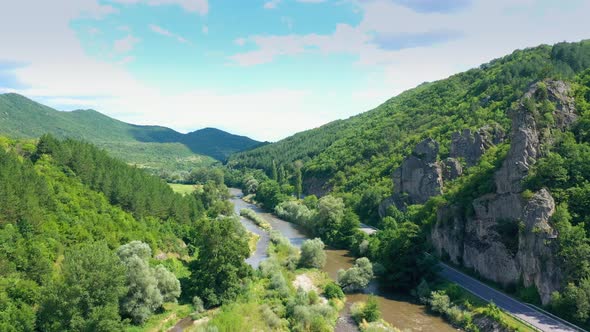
<point x="536" y="318"/>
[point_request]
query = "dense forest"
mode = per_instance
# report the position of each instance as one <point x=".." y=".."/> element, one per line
<point x="351" y="163"/>
<point x="92" y="244"/>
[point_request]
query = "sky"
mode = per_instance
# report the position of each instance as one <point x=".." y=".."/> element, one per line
<point x="262" y="68"/>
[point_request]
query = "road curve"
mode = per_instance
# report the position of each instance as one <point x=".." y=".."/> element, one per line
<point x="534" y="317"/>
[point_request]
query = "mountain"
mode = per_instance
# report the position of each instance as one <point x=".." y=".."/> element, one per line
<point x="491" y="164"/>
<point x="153" y="147"/>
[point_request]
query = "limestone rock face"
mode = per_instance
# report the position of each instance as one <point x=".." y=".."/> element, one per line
<point x="508" y="238"/>
<point x="419" y="177"/>
<point x="472" y="145"/>
<point x="451" y="169"/>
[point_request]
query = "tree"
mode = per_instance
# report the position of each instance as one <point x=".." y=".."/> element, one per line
<point x="298" y="182"/>
<point x="168" y="285"/>
<point x="357" y="277"/>
<point x="148" y="288"/>
<point x="143" y="297"/>
<point x="329" y="217"/>
<point x="312" y="254"/>
<point x="87" y="297"/>
<point x="269" y="194"/>
<point x="401" y="251"/>
<point x="220" y="269"/>
<point x="274" y="172"/>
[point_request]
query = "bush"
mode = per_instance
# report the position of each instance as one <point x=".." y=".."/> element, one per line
<point x="357" y="277"/>
<point x="422" y="292"/>
<point x="333" y="291"/>
<point x="198" y="305"/>
<point x="168" y="285"/>
<point x="271" y="318"/>
<point x="369" y="311"/>
<point x="294" y="212"/>
<point x="258" y="220"/>
<point x="439" y="302"/>
<point x="312" y="254"/>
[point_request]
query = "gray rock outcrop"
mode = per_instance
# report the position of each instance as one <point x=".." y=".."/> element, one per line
<point x="472" y="145"/>
<point x="508" y="238"/>
<point x="451" y="169"/>
<point x="419" y="177"/>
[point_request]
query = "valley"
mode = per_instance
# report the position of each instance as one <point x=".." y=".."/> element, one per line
<point x="460" y="204"/>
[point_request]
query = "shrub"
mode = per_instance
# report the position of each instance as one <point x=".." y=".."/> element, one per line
<point x="313" y="297"/>
<point x="312" y="254"/>
<point x="357" y="277"/>
<point x="333" y="291"/>
<point x="258" y="220"/>
<point x="369" y="311"/>
<point x="422" y="292"/>
<point x="198" y="304"/>
<point x="439" y="302"/>
<point x="271" y="318"/>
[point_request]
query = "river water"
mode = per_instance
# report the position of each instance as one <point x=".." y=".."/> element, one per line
<point x="397" y="310"/>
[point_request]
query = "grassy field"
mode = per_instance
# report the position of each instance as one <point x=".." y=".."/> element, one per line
<point x="184" y="189"/>
<point x="164" y="321"/>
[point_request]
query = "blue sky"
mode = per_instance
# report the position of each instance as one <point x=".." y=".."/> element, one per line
<point x="265" y="69"/>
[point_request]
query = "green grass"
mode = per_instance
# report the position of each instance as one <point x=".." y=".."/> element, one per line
<point x="258" y="220"/>
<point x="173" y="312"/>
<point x="253" y="241"/>
<point x="184" y="189"/>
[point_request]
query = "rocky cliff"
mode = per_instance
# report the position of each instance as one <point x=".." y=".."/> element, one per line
<point x="508" y="238"/>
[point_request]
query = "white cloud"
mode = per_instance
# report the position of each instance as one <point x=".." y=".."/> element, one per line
<point x="272" y="4"/>
<point x="486" y="30"/>
<point x="345" y="39"/>
<point x="126" y="44"/>
<point x="161" y="31"/>
<point x="198" y="6"/>
<point x="240" y="41"/>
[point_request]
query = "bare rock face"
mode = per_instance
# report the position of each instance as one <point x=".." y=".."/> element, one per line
<point x="508" y="238"/>
<point x="451" y="169"/>
<point x="472" y="145"/>
<point x="419" y="177"/>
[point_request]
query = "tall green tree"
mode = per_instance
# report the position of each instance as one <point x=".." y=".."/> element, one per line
<point x="298" y="182"/>
<point x="86" y="297"/>
<point x="274" y="171"/>
<point x="219" y="270"/>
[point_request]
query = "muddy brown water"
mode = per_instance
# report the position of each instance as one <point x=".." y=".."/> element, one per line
<point x="396" y="309"/>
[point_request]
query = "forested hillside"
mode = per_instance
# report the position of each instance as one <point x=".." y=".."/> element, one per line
<point x="88" y="243"/>
<point x="361" y="152"/>
<point x="153" y="147"/>
<point x="486" y="169"/>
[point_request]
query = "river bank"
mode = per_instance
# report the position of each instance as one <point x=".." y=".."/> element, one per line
<point x="397" y="310"/>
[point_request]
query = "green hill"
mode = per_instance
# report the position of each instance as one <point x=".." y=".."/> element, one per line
<point x="84" y="236"/>
<point x="153" y="147"/>
<point x="362" y="151"/>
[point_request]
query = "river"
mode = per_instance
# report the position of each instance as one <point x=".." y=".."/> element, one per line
<point x="397" y="310"/>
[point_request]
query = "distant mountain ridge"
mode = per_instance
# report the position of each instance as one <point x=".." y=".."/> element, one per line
<point x="147" y="146"/>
